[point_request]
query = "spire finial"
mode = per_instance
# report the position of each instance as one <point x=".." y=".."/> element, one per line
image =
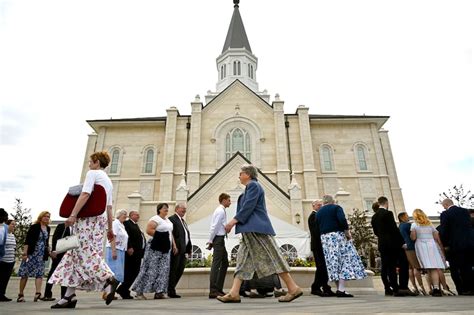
<point x="236" y="3"/>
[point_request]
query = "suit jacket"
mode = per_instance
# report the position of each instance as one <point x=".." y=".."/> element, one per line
<point x="32" y="237"/>
<point x="180" y="236"/>
<point x="386" y="230"/>
<point x="314" y="231"/>
<point x="252" y="212"/>
<point x="455" y="228"/>
<point x="58" y="234"/>
<point x="135" y="238"/>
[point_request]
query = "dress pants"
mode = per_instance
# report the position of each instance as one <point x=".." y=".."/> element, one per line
<point x="403" y="271"/>
<point x="48" y="290"/>
<point x="321" y="275"/>
<point x="5" y="273"/>
<point x="460" y="265"/>
<point x="132" y="269"/>
<point x="220" y="263"/>
<point x="177" y="265"/>
<point x="389" y="258"/>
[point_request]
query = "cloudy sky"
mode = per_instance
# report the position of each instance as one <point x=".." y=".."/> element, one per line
<point x="63" y="62"/>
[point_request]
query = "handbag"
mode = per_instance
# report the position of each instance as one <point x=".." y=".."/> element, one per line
<point x="67" y="243"/>
<point x="94" y="206"/>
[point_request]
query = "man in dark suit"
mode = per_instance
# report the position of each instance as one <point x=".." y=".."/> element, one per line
<point x="56" y="258"/>
<point x="134" y="255"/>
<point x="182" y="239"/>
<point x="320" y="285"/>
<point x="390" y="245"/>
<point x="457" y="236"/>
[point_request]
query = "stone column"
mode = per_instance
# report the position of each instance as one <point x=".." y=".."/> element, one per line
<point x="193" y="174"/>
<point x="182" y="191"/>
<point x="166" y="177"/>
<point x="309" y="171"/>
<point x="379" y="155"/>
<point x="296" y="204"/>
<point x="283" y="171"/>
<point x="134" y="201"/>
<point x="397" y="197"/>
<point x="342" y="198"/>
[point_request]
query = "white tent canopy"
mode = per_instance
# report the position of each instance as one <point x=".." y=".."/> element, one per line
<point x="291" y="238"/>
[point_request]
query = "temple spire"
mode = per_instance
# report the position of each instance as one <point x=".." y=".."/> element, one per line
<point x="236" y="35"/>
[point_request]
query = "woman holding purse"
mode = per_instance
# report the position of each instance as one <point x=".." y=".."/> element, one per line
<point x="84" y="268"/>
<point x="154" y="273"/>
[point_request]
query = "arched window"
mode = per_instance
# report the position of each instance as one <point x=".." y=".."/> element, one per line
<point x="361" y="155"/>
<point x="222" y="72"/>
<point x="327" y="158"/>
<point x="196" y="253"/>
<point x="238" y="68"/>
<point x="114" y="163"/>
<point x="237" y="140"/>
<point x="148" y="165"/>
<point x="233" y="253"/>
<point x="225" y="74"/>
<point x="289" y="252"/>
<point x="251" y="71"/>
<point x="235" y="68"/>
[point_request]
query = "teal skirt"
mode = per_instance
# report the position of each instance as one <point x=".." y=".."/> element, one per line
<point x="116" y="265"/>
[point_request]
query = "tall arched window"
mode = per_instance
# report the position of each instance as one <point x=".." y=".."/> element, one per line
<point x="222" y="72"/>
<point x="225" y="71"/>
<point x="235" y="68"/>
<point x="237" y="140"/>
<point x="114" y="163"/>
<point x="148" y="165"/>
<point x="327" y="160"/>
<point x="361" y="156"/>
<point x="251" y="71"/>
<point x="238" y="68"/>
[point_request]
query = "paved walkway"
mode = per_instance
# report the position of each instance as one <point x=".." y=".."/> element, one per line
<point x="90" y="303"/>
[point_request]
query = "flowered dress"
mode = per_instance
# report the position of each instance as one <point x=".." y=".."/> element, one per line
<point x="85" y="268"/>
<point x="34" y="264"/>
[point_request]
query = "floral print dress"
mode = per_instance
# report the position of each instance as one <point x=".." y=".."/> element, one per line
<point x="34" y="265"/>
<point x="85" y="268"/>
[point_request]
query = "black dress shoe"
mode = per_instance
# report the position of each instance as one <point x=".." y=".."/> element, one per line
<point x="343" y="294"/>
<point x="174" y="296"/>
<point x="329" y="293"/>
<point x="317" y="292"/>
<point x="127" y="297"/>
<point x="113" y="288"/>
<point x="4" y="299"/>
<point x="436" y="292"/>
<point x="69" y="304"/>
<point x="388" y="292"/>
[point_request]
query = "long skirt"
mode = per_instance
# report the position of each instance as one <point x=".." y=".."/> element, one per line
<point x="116" y="265"/>
<point x="154" y="273"/>
<point x="342" y="260"/>
<point x="259" y="253"/>
<point x="84" y="268"/>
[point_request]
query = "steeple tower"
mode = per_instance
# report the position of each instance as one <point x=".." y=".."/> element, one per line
<point x="236" y="60"/>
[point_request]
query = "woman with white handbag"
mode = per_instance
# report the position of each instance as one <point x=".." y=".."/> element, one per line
<point x="84" y="268"/>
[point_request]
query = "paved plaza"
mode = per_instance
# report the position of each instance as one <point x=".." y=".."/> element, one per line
<point x="90" y="303"/>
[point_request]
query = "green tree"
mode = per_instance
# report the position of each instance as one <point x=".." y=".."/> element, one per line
<point x="459" y="196"/>
<point x="22" y="218"/>
<point x="362" y="233"/>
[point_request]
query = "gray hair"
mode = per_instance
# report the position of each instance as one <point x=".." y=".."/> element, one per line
<point x="328" y="199"/>
<point x="120" y="212"/>
<point x="447" y="202"/>
<point x="316" y="201"/>
<point x="180" y="205"/>
<point x="250" y="170"/>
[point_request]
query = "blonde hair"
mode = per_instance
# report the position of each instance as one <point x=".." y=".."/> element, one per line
<point x="421" y="218"/>
<point x="41" y="215"/>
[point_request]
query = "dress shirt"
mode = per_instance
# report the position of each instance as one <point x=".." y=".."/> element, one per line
<point x="219" y="220"/>
<point x="186" y="232"/>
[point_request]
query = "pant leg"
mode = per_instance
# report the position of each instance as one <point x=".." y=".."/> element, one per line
<point x="454" y="272"/>
<point x="132" y="269"/>
<point x="389" y="267"/>
<point x="465" y="270"/>
<point x="48" y="289"/>
<point x="5" y="273"/>
<point x="177" y="265"/>
<point x="403" y="271"/>
<point x="321" y="275"/>
<point x="220" y="263"/>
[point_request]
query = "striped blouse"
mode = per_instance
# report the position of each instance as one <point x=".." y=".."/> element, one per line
<point x="10" y="247"/>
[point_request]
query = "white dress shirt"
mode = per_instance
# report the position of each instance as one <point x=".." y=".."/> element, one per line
<point x="186" y="233"/>
<point x="219" y="220"/>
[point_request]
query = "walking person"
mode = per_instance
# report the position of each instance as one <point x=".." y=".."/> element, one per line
<point x="320" y="284"/>
<point x="390" y="246"/>
<point x="428" y="246"/>
<point x="342" y="261"/>
<point x="35" y="253"/>
<point x="7" y="261"/>
<point x="84" y="268"/>
<point x="409" y="246"/>
<point x="258" y="252"/>
<point x="135" y="251"/>
<point x="60" y="232"/>
<point x="457" y="235"/>
<point x="115" y="249"/>
<point x="220" y="261"/>
<point x="182" y="239"/>
<point x="155" y="271"/>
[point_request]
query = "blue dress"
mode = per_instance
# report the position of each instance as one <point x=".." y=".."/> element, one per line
<point x="34" y="264"/>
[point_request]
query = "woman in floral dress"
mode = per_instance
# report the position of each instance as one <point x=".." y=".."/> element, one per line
<point x="35" y="253"/>
<point x="84" y="268"/>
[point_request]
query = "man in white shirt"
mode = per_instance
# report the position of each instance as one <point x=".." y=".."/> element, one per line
<point x="217" y="236"/>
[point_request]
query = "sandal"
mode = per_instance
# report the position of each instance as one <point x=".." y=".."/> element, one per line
<point x="291" y="296"/>
<point x="21" y="298"/>
<point x="37" y="297"/>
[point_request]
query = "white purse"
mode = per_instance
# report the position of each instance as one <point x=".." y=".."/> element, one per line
<point x="67" y="243"/>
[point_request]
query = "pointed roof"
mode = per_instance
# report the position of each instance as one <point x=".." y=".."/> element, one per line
<point x="236" y="36"/>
